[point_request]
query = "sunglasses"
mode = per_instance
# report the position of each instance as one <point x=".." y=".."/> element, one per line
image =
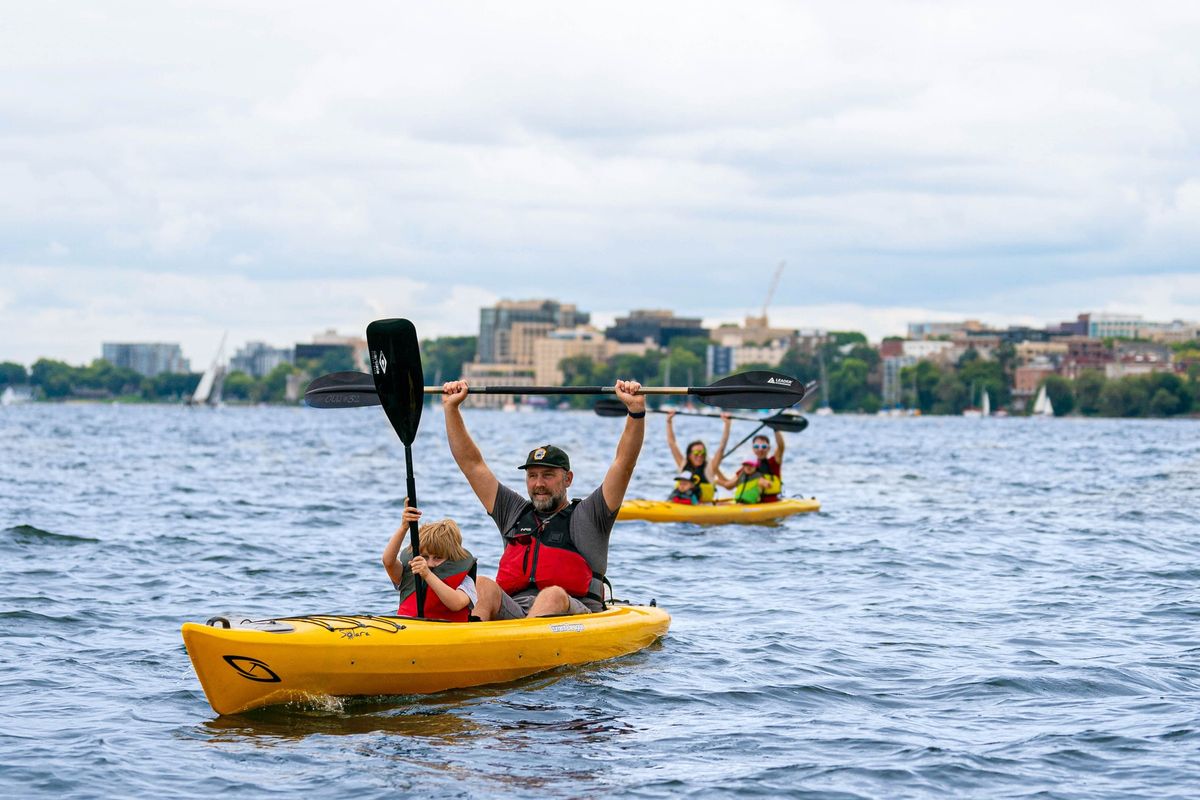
<point x="698" y="451"/>
<point x="762" y="447"/>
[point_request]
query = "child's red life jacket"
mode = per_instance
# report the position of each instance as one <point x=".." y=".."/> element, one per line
<point x="452" y="573"/>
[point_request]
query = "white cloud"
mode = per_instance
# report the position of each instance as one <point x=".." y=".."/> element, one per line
<point x="66" y="313"/>
<point x="924" y="155"/>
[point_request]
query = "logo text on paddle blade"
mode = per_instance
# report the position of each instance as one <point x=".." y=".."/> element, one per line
<point x="378" y="362"/>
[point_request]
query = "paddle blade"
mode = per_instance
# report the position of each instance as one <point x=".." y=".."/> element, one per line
<point x="607" y="407"/>
<point x="788" y="423"/>
<point x="758" y="389"/>
<point x="396" y="367"/>
<point x="342" y="390"/>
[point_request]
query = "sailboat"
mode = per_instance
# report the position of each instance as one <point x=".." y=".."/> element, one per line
<point x="1042" y="407"/>
<point x="208" y="391"/>
<point x="985" y="407"/>
<point x="971" y="410"/>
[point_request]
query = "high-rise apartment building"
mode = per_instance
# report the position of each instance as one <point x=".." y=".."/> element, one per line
<point x="507" y="330"/>
<point x="658" y="325"/>
<point x="146" y="358"/>
<point x="257" y="359"/>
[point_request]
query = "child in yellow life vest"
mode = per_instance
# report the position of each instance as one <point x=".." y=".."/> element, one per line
<point x="753" y="485"/>
<point x="445" y="566"/>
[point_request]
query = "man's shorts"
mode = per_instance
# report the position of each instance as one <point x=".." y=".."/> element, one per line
<point x="518" y="607"/>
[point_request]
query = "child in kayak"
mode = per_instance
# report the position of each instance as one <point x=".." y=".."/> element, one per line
<point x="686" y="492"/>
<point x="445" y="566"/>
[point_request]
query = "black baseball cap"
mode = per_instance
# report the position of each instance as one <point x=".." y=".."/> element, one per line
<point x="547" y="456"/>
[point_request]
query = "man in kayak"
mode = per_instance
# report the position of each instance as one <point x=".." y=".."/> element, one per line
<point x="764" y="468"/>
<point x="555" y="551"/>
<point x="695" y="459"/>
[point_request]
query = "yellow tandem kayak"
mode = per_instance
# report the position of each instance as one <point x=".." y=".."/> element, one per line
<point x="723" y="512"/>
<point x="265" y="662"/>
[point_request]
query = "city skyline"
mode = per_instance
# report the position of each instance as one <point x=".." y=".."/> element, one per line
<point x="339" y="165"/>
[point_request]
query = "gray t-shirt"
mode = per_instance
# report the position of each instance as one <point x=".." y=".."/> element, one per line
<point x="591" y="523"/>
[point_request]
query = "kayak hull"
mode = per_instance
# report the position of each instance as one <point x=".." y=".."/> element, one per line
<point x="295" y="659"/>
<point x="724" y="512"/>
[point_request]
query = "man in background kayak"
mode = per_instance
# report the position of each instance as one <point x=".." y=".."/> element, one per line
<point x="555" y="551"/>
<point x="765" y="468"/>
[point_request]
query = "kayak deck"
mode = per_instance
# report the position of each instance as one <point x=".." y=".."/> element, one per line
<point x="723" y="512"/>
<point x="260" y="663"/>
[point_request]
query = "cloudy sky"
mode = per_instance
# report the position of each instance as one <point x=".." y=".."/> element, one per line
<point x="172" y="170"/>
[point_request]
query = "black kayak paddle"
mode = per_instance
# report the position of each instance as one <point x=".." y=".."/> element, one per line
<point x="399" y="388"/>
<point x="757" y="389"/>
<point x="781" y="421"/>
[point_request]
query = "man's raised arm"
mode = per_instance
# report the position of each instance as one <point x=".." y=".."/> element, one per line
<point x="629" y="447"/>
<point x="463" y="448"/>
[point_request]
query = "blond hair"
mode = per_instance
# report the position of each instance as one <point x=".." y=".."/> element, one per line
<point x="442" y="539"/>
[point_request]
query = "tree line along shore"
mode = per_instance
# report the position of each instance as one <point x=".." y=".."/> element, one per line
<point x="852" y="379"/>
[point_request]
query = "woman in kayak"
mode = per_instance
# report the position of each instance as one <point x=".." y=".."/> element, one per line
<point x="445" y="566"/>
<point x="759" y="479"/>
<point x="696" y="462"/>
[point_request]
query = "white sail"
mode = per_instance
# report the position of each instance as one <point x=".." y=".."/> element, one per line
<point x="213" y="377"/>
<point x="987" y="403"/>
<point x="1042" y="407"/>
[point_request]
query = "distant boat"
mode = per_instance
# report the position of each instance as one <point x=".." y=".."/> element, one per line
<point x="15" y="395"/>
<point x="984" y="411"/>
<point x="1042" y="407"/>
<point x="208" y="391"/>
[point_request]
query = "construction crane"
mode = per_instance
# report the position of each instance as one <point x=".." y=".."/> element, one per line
<point x="771" y="291"/>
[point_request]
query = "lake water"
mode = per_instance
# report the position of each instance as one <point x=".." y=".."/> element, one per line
<point x="1002" y="607"/>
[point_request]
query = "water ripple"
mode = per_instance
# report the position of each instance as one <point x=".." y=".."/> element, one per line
<point x="983" y="608"/>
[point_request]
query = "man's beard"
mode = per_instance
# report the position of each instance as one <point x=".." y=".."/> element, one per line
<point x="543" y="504"/>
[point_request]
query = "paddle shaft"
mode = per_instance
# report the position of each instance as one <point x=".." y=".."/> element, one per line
<point x="752" y="434"/>
<point x="603" y="390"/>
<point x="414" y="534"/>
<point x="755" y="389"/>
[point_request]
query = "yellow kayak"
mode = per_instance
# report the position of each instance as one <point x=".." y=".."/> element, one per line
<point x="265" y="662"/>
<point x="723" y="512"/>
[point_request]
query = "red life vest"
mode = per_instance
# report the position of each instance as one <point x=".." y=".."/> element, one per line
<point x="452" y="573"/>
<point x="539" y="553"/>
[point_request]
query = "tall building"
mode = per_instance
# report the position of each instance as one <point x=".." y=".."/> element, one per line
<point x="332" y="341"/>
<point x="723" y="359"/>
<point x="148" y="358"/>
<point x="259" y="358"/>
<point x="657" y="325"/>
<point x="549" y="351"/>
<point x="932" y="330"/>
<point x="481" y="375"/>
<point x="756" y="331"/>
<point x="1127" y="326"/>
<point x="497" y="334"/>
